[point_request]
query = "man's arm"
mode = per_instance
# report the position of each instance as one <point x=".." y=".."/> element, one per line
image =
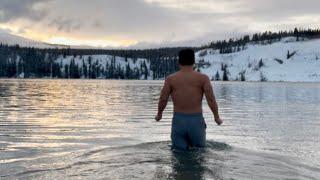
<point x="164" y="97"/>
<point x="211" y="99"/>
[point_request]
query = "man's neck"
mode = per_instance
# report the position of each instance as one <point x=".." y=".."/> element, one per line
<point x="186" y="68"/>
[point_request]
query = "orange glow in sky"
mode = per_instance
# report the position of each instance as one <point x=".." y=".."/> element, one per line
<point x="126" y="23"/>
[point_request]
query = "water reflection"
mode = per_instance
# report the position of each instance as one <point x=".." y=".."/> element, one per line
<point x="200" y="163"/>
<point x="45" y="122"/>
<point x="188" y="165"/>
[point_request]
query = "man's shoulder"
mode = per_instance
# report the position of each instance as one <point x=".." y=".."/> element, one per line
<point x="201" y="76"/>
<point x="171" y="76"/>
<point x="195" y="74"/>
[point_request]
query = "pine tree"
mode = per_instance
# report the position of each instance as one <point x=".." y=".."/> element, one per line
<point x="128" y="72"/>
<point x="66" y="71"/>
<point x="145" y="70"/>
<point x="217" y="76"/>
<point x="242" y="76"/>
<point x="296" y="33"/>
<point x="262" y="77"/>
<point x="225" y="75"/>
<point x="84" y="69"/>
<point x="261" y="64"/>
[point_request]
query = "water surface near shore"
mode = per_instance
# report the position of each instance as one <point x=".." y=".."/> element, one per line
<point x="105" y="129"/>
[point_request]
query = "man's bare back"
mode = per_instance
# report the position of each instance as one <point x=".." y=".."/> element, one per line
<point x="187" y="91"/>
<point x="186" y="88"/>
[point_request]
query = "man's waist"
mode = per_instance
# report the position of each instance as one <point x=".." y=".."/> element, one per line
<point x="187" y="115"/>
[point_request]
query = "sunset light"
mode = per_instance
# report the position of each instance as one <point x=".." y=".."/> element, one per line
<point x="159" y="89"/>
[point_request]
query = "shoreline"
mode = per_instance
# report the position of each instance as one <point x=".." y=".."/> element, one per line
<point x="7" y="78"/>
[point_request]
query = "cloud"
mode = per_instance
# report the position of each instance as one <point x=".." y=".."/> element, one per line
<point x="5" y="31"/>
<point x="67" y="25"/>
<point x="158" y="22"/>
<point x="13" y="9"/>
<point x="274" y="9"/>
<point x="113" y="17"/>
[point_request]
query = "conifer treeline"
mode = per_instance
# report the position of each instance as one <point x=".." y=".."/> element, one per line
<point x="39" y="63"/>
<point x="268" y="37"/>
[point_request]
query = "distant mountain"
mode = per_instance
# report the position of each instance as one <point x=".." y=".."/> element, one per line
<point x="286" y="56"/>
<point x="9" y="39"/>
<point x="6" y="38"/>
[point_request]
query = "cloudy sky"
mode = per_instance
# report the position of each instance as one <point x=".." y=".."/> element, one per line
<point x="147" y="23"/>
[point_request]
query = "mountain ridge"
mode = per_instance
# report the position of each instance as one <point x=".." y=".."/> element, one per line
<point x="264" y="57"/>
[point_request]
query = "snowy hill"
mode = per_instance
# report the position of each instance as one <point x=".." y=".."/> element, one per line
<point x="9" y="39"/>
<point x="286" y="60"/>
<point x="6" y="38"/>
<point x="104" y="65"/>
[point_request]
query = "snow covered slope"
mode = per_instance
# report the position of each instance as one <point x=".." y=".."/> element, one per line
<point x="6" y="38"/>
<point x="286" y="60"/>
<point x="105" y="62"/>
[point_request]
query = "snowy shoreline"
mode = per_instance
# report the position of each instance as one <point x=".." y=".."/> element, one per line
<point x="285" y="60"/>
<point x="231" y="81"/>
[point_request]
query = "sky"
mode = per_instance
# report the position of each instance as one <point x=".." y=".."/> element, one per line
<point x="151" y="23"/>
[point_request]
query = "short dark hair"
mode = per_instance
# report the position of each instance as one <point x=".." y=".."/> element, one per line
<point x="186" y="57"/>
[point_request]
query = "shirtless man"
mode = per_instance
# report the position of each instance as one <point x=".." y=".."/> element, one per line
<point x="186" y="88"/>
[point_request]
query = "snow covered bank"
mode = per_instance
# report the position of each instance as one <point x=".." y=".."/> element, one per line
<point x="285" y="60"/>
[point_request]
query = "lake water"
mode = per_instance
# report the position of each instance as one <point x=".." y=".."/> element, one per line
<point x="104" y="129"/>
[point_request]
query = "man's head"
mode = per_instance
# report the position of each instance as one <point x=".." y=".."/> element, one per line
<point x="186" y="57"/>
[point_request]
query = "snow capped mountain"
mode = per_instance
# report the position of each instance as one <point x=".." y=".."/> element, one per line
<point x="286" y="60"/>
<point x="6" y="38"/>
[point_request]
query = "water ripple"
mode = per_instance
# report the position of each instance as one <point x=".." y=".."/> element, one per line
<point x="49" y="128"/>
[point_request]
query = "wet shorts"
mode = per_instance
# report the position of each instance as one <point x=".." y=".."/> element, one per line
<point x="188" y="130"/>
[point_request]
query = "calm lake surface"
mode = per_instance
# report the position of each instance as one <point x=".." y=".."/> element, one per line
<point x="105" y="129"/>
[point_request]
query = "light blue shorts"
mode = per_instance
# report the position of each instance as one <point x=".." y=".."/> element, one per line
<point x="188" y="130"/>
